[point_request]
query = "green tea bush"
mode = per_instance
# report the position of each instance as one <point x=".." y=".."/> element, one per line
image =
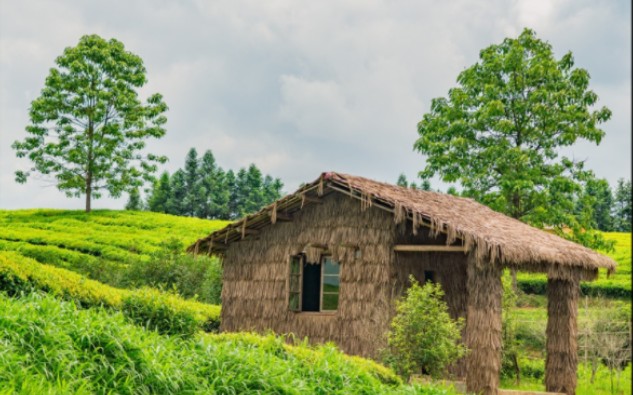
<point x="423" y="337"/>
<point x="23" y="275"/>
<point x="197" y="277"/>
<point x="51" y="347"/>
<point x="154" y="310"/>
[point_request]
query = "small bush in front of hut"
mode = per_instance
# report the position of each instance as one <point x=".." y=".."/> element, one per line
<point x="423" y="338"/>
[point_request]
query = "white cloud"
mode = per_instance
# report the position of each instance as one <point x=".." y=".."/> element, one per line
<point x="300" y="88"/>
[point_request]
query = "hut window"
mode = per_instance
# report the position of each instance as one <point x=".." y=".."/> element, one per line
<point x="429" y="276"/>
<point x="313" y="286"/>
<point x="331" y="284"/>
<point x="294" y="297"/>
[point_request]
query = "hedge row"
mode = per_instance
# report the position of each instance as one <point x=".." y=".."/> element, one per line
<point x="604" y="289"/>
<point x="164" y="312"/>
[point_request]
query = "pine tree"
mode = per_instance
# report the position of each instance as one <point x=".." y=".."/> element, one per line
<point x="134" y="201"/>
<point x="402" y="181"/>
<point x="209" y="184"/>
<point x="160" y="195"/>
<point x="622" y="206"/>
<point x="191" y="198"/>
<point x="178" y="185"/>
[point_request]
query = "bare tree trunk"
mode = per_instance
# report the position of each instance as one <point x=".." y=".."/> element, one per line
<point x="88" y="191"/>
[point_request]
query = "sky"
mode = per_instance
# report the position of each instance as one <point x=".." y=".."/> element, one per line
<point x="302" y="87"/>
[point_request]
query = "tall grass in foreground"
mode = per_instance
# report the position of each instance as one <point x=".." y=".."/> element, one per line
<point x="51" y="347"/>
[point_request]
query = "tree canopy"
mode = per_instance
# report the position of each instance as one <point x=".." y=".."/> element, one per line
<point x="203" y="189"/>
<point x="88" y="126"/>
<point x="499" y="132"/>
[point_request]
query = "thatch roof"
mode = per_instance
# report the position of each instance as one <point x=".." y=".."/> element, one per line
<point x="491" y="235"/>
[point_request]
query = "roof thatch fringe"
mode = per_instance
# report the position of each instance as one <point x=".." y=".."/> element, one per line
<point x="399" y="213"/>
<point x="273" y="213"/>
<point x="195" y="251"/>
<point x="416" y="220"/>
<point x="320" y="187"/>
<point x="210" y="247"/>
<point x="365" y="200"/>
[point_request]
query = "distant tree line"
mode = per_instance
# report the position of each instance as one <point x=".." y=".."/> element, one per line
<point x="203" y="189"/>
<point x="604" y="208"/>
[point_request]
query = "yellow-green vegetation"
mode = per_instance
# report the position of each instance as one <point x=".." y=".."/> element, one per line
<point x="125" y="249"/>
<point x="66" y="238"/>
<point x="617" y="285"/>
<point x="165" y="312"/>
<point x="50" y="346"/>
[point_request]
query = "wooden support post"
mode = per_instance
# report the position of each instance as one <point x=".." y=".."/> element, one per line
<point x="561" y="362"/>
<point x="483" y="326"/>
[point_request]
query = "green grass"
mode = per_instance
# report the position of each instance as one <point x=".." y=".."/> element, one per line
<point x="53" y="347"/>
<point x="600" y="386"/>
<point x="617" y="285"/>
<point x="159" y="310"/>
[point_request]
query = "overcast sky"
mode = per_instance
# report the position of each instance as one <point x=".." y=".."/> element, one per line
<point x="301" y="87"/>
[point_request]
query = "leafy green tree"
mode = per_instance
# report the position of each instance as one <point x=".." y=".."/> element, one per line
<point x="402" y="181"/>
<point x="158" y="200"/>
<point x="255" y="193"/>
<point x="425" y="185"/>
<point x="498" y="133"/>
<point x="134" y="201"/>
<point x="423" y="337"/>
<point x="597" y="202"/>
<point x="88" y="126"/>
<point x="272" y="189"/>
<point x="192" y="184"/>
<point x="178" y="187"/>
<point x="230" y="183"/>
<point x="622" y="206"/>
<point x="209" y="183"/>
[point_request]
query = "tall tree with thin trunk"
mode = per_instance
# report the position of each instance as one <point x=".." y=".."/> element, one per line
<point x="89" y="127"/>
<point x="500" y="131"/>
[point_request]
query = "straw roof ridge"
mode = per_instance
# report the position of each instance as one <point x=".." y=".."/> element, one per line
<point x="482" y="230"/>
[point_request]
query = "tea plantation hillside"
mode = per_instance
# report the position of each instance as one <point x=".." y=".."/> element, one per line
<point x="77" y="239"/>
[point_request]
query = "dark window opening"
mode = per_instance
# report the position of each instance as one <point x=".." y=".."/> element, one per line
<point x="429" y="276"/>
<point x="313" y="286"/>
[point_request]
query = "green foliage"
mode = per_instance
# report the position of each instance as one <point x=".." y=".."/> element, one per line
<point x="152" y="309"/>
<point x="203" y="189"/>
<point x="598" y="195"/>
<point x="23" y="275"/>
<point x="134" y="201"/>
<point x="500" y="131"/>
<point x="423" y="337"/>
<point x="50" y="346"/>
<point x="617" y="285"/>
<point x="86" y="242"/>
<point x="88" y="126"/>
<point x="169" y="268"/>
<point x="510" y="349"/>
<point x="622" y="206"/>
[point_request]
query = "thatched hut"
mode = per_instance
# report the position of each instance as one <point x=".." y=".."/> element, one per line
<point x="328" y="261"/>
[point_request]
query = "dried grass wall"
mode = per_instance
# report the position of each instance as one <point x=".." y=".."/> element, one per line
<point x="254" y="294"/>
